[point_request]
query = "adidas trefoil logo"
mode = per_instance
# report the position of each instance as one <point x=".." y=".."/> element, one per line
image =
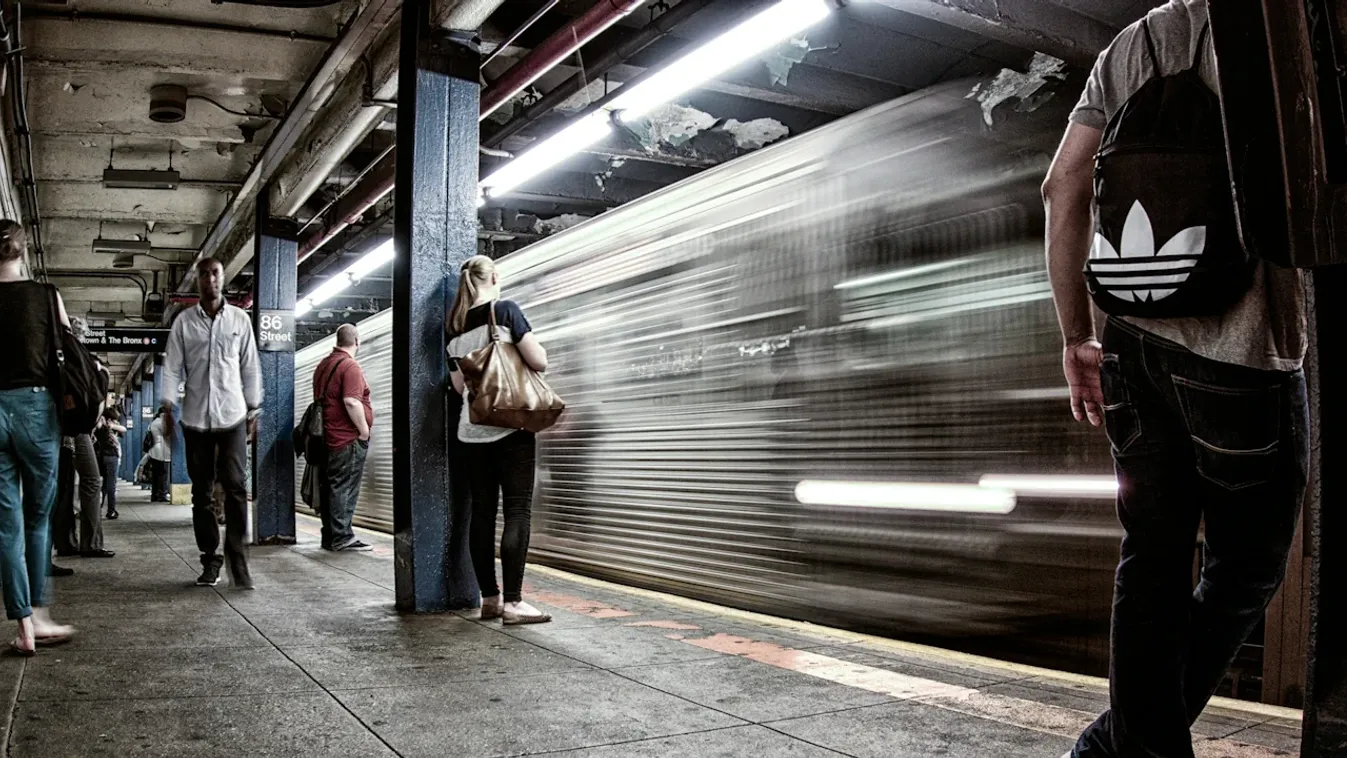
<point x="1146" y="279"/>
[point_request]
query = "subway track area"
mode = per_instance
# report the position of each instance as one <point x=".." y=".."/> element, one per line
<point x="316" y="662"/>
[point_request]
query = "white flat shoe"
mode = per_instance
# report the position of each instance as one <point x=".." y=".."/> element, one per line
<point x="523" y="613"/>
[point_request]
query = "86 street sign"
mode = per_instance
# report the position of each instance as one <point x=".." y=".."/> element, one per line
<point x="276" y="331"/>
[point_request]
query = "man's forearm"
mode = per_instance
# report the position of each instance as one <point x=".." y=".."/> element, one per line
<point x="356" y="410"/>
<point x="1069" y="224"/>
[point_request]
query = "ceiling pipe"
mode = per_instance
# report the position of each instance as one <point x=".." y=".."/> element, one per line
<point x="553" y="50"/>
<point x="517" y="33"/>
<point x="647" y="36"/>
<point x="374" y="186"/>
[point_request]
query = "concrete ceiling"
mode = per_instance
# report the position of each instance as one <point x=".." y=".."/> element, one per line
<point x="90" y="65"/>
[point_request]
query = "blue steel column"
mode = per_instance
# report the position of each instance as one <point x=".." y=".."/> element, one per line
<point x="274" y="454"/>
<point x="435" y="226"/>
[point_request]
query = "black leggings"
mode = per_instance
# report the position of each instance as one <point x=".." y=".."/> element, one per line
<point x="504" y="466"/>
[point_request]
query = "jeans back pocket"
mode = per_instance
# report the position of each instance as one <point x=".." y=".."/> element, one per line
<point x="1236" y="431"/>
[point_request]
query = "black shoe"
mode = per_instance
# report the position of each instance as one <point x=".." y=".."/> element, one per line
<point x="67" y="553"/>
<point x="99" y="553"/>
<point x="112" y="516"/>
<point x="55" y="570"/>
<point x="354" y="546"/>
<point x="210" y="576"/>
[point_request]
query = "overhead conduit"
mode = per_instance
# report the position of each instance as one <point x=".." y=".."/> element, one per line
<point x="377" y="182"/>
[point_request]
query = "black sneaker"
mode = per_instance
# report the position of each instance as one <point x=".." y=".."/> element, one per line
<point x="112" y="516"/>
<point x="354" y="546"/>
<point x="210" y="576"/>
<point x="55" y="570"/>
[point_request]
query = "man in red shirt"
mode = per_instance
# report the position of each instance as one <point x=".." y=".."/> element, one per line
<point x="347" y="418"/>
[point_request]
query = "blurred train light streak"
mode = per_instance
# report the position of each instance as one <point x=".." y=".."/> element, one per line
<point x="368" y="263"/>
<point x="721" y="54"/>
<point x="949" y="498"/>
<point x="1100" y="487"/>
<point x="904" y="273"/>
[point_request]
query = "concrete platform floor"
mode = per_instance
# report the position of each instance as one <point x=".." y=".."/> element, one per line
<point x="315" y="662"/>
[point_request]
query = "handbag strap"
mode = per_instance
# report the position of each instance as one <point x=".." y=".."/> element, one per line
<point x="57" y="353"/>
<point x="491" y="316"/>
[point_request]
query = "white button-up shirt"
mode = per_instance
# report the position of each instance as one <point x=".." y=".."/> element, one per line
<point x="211" y="369"/>
<point x="160" y="450"/>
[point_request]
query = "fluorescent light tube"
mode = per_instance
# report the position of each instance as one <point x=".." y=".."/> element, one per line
<point x="752" y="37"/>
<point x="730" y="49"/>
<point x="374" y="259"/>
<point x="549" y="153"/>
<point x="1068" y="486"/>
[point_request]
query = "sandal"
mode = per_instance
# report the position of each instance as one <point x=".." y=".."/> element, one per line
<point x="52" y="640"/>
<point x="15" y="650"/>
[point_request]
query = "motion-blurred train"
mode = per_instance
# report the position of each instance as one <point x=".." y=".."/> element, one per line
<point x="823" y="381"/>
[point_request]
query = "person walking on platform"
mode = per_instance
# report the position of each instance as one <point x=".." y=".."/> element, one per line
<point x="212" y="367"/>
<point x="347" y="418"/>
<point x="1197" y="381"/>
<point x="498" y="460"/>
<point x="30" y="445"/>
<point x="107" y="436"/>
<point x="160" y="455"/>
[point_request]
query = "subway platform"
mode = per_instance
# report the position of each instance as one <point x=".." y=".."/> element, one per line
<point x="315" y="662"/>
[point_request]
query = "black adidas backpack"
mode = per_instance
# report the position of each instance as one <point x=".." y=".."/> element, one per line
<point x="1166" y="243"/>
<point x="76" y="382"/>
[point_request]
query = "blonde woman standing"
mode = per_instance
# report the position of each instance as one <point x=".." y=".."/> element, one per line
<point x="500" y="461"/>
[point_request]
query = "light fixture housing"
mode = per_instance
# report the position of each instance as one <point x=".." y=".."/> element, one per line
<point x="120" y="178"/>
<point x="732" y="48"/>
<point x="121" y="247"/>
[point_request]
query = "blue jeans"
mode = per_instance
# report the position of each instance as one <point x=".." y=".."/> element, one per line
<point x="340" y="487"/>
<point x="1194" y="441"/>
<point x="30" y="453"/>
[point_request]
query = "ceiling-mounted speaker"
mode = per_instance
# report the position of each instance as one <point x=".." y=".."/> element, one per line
<point x="124" y="260"/>
<point x="168" y="103"/>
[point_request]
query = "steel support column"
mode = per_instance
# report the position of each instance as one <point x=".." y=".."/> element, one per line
<point x="151" y="401"/>
<point x="132" y="424"/>
<point x="274" y="453"/>
<point x="435" y="226"/>
<point x="1325" y="722"/>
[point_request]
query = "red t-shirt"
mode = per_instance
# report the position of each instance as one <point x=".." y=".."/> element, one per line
<point x="346" y="381"/>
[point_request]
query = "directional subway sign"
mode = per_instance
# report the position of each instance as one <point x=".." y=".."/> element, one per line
<point x="126" y="340"/>
<point x="276" y="331"/>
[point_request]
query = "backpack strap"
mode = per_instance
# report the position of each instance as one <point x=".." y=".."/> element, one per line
<point x="331" y="374"/>
<point x="1201" y="46"/>
<point x="1150" y="45"/>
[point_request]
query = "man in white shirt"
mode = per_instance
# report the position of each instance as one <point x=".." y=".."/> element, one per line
<point x="211" y="366"/>
<point x="158" y="458"/>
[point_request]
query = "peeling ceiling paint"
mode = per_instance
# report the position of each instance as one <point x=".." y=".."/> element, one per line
<point x="751" y="135"/>
<point x="1028" y="88"/>
<point x="558" y="223"/>
<point x="672" y="124"/>
<point x="786" y="57"/>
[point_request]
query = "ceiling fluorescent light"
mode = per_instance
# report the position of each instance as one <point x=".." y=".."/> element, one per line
<point x="119" y="247"/>
<point x="752" y="37"/>
<point x="748" y="39"/>
<point x="549" y="153"/>
<point x="908" y="496"/>
<point x="374" y="259"/>
<point x="116" y="178"/>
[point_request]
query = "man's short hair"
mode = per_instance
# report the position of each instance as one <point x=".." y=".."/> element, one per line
<point x="347" y="336"/>
<point x="207" y="262"/>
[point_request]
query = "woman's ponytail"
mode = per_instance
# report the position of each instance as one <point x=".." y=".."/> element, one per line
<point x="475" y="273"/>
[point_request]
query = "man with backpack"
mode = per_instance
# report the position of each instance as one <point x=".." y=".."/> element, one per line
<point x="342" y="394"/>
<point x="1198" y="378"/>
<point x="211" y="366"/>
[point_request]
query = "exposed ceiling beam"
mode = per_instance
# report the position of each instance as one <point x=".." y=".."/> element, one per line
<point x="31" y="13"/>
<point x="570" y="188"/>
<point x="1031" y="24"/>
<point x="182" y="133"/>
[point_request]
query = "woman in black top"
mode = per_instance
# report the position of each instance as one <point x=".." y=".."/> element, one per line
<point x="30" y="444"/>
<point x="108" y="440"/>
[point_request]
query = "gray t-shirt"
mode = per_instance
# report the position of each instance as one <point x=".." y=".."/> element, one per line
<point x="1267" y="328"/>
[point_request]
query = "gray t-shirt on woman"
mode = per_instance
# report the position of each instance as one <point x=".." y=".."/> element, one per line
<point x="1267" y="328"/>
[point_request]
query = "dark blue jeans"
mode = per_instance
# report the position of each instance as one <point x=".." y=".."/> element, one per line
<point x="30" y="452"/>
<point x="1194" y="441"/>
<point x="339" y="489"/>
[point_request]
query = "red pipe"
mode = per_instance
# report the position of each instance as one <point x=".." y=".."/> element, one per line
<point x="554" y="50"/>
<point x="372" y="187"/>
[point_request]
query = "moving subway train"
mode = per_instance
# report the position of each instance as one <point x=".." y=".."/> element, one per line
<point x="823" y="381"/>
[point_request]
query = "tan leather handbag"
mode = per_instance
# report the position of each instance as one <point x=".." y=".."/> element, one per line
<point x="503" y="391"/>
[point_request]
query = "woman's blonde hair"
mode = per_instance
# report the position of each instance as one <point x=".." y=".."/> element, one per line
<point x="473" y="276"/>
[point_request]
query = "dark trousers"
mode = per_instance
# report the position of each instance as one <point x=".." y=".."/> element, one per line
<point x="220" y="456"/>
<point x="339" y="490"/>
<point x="87" y="466"/>
<point x="63" y="536"/>
<point x="504" y="467"/>
<point x="1193" y="441"/>
<point x="109" y="471"/>
<point x="158" y="480"/>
